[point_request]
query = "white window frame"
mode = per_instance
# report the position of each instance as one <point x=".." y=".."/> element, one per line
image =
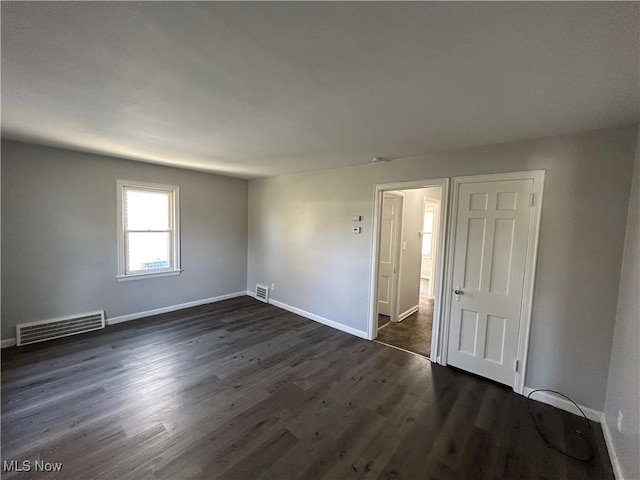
<point x="174" y="211"/>
<point x="431" y="209"/>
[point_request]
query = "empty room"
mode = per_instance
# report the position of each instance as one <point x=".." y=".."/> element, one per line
<point x="320" y="240"/>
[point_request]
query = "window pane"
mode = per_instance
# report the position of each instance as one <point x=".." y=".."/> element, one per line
<point x="147" y="210"/>
<point x="148" y="251"/>
<point x="426" y="244"/>
<point x="428" y="222"/>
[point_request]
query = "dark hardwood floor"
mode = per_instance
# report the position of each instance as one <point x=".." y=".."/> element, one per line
<point x="244" y="390"/>
<point x="414" y="332"/>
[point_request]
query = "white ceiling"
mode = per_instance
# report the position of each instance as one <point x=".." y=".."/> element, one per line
<point x="261" y="89"/>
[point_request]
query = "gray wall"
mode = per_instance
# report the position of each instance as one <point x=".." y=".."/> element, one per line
<point x="300" y="239"/>
<point x="623" y="388"/>
<point x="59" y="236"/>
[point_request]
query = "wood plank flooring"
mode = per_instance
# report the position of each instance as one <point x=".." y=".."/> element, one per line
<point x="244" y="390"/>
<point x="414" y="332"/>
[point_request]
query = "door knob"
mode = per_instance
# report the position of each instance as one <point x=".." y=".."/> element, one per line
<point x="458" y="291"/>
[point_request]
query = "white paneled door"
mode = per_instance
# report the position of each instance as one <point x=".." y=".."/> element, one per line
<point x="389" y="238"/>
<point x="492" y="235"/>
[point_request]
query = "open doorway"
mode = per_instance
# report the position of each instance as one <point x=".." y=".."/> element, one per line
<point x="408" y="268"/>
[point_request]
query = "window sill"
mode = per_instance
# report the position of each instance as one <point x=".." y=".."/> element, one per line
<point x="140" y="276"/>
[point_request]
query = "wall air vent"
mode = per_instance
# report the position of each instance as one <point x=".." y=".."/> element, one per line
<point x="40" y="331"/>
<point x="262" y="293"/>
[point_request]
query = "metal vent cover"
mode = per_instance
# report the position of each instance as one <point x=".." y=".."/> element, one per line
<point x="43" y="330"/>
<point x="262" y="293"/>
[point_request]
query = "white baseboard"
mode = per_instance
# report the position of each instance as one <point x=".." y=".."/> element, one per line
<point x="608" y="439"/>
<point x="563" y="404"/>
<point x="172" y="308"/>
<point x="9" y="342"/>
<point x="411" y="311"/>
<point x="317" y="318"/>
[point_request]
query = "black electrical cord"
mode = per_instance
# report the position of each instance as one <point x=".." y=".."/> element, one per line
<point x="590" y="456"/>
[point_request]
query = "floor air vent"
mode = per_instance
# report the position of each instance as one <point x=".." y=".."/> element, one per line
<point x="34" y="332"/>
<point x="262" y="293"/>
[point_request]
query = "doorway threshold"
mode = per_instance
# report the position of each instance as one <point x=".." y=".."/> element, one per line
<point x="402" y="349"/>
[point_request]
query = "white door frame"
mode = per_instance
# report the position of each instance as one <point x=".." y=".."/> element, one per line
<point x="436" y="355"/>
<point x="435" y="237"/>
<point x="530" y="267"/>
<point x="436" y="279"/>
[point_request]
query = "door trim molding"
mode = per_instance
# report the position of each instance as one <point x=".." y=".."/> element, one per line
<point x="378" y="191"/>
<point x="526" y="307"/>
<point x="436" y="280"/>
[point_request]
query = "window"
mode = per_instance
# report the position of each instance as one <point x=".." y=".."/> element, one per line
<point x="427" y="233"/>
<point x="148" y="230"/>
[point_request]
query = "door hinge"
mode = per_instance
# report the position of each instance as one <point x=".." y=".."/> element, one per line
<point x="515" y="365"/>
<point x="531" y="199"/>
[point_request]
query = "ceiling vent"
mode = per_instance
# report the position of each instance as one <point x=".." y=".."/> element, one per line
<point x="262" y="293"/>
<point x="42" y="330"/>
